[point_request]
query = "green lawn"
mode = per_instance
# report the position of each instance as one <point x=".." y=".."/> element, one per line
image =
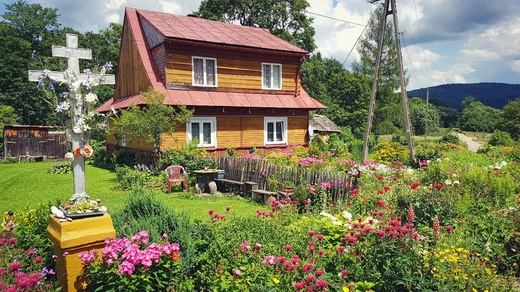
<point x="23" y="185"/>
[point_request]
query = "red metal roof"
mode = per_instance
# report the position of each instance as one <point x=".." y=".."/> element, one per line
<point x="216" y="32"/>
<point x="224" y="99"/>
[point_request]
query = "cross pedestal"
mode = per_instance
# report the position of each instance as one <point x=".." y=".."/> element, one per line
<point x="73" y="54"/>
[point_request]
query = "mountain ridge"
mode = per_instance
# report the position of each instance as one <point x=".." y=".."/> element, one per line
<point x="493" y="94"/>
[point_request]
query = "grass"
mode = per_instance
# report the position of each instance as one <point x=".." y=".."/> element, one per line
<point x="25" y="185"/>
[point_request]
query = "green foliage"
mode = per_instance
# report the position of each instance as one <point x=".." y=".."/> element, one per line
<point x="151" y="120"/>
<point x="477" y="117"/>
<point x="500" y="138"/>
<point x="510" y="121"/>
<point x="449" y="138"/>
<point x="61" y="168"/>
<point x="288" y="20"/>
<point x="144" y="211"/>
<point x="129" y="178"/>
<point x="31" y="232"/>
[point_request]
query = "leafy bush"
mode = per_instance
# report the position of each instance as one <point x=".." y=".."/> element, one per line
<point x="500" y="138"/>
<point x="449" y="138"/>
<point x="61" y="168"/>
<point x="128" y="178"/>
<point x="143" y="211"/>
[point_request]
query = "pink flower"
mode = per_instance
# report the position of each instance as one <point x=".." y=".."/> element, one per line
<point x="271" y="260"/>
<point x="319" y="237"/>
<point x="288" y="248"/>
<point x="340" y="249"/>
<point x="237" y="272"/>
<point x="307" y="267"/>
<point x="228" y="208"/>
<point x="344" y="273"/>
<point x="449" y="228"/>
<point x="289" y="266"/>
<point x="310" y="278"/>
<point x="322" y="284"/>
<point x="15" y="266"/>
<point x="299" y="285"/>
<point x="311" y="233"/>
<point x="351" y="240"/>
<point x="320" y="272"/>
<point x="210" y="211"/>
<point x="126" y="268"/>
<point x="38" y="260"/>
<point x="380" y="233"/>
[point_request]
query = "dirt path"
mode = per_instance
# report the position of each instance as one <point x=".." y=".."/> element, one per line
<point x="472" y="145"/>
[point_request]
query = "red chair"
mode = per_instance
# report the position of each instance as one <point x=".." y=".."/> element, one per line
<point x="175" y="174"/>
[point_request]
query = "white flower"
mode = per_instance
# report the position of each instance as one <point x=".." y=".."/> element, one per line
<point x="456" y="183"/>
<point x="346" y="215"/>
<point x="447" y="182"/>
<point x="69" y="156"/>
<point x="91" y="97"/>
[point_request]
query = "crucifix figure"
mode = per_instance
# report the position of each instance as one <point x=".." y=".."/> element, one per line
<point x="73" y="54"/>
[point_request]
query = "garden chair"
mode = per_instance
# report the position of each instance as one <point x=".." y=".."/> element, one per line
<point x="176" y="174"/>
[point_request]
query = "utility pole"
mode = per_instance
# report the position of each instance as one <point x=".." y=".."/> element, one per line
<point x="427" y="117"/>
<point x="408" y="123"/>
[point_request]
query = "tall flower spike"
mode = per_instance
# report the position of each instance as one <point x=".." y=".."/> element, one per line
<point x="411" y="215"/>
<point x="436" y="228"/>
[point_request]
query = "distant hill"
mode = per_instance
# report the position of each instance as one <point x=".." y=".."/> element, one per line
<point x="495" y="95"/>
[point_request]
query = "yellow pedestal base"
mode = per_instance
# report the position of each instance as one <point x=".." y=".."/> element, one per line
<point x="71" y="238"/>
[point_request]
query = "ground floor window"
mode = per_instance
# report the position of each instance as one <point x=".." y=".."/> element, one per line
<point x="204" y="130"/>
<point x="275" y="130"/>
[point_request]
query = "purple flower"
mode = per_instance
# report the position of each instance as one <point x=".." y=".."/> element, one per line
<point x="108" y="66"/>
<point x="33" y="54"/>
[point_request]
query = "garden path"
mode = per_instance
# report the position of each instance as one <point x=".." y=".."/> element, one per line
<point x="472" y="145"/>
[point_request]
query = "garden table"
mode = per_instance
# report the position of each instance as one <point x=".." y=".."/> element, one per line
<point x="206" y="181"/>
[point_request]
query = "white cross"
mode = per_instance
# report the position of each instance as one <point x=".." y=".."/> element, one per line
<point x="73" y="54"/>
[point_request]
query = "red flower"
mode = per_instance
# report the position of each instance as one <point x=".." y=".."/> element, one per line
<point x="38" y="260"/>
<point x="322" y="284"/>
<point x="15" y="266"/>
<point x="415" y="185"/>
<point x="438" y="186"/>
<point x="380" y="192"/>
<point x="210" y="211"/>
<point x="387" y="188"/>
<point x="449" y="228"/>
<point x="228" y="208"/>
<point x="379" y="177"/>
<point x="344" y="272"/>
<point x="311" y="233"/>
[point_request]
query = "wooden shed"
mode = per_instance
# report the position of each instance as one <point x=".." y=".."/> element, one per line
<point x="34" y="142"/>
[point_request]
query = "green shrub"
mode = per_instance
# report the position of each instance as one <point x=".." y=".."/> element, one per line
<point x="128" y="178"/>
<point x="144" y="211"/>
<point x="499" y="138"/>
<point x="61" y="168"/>
<point x="449" y="138"/>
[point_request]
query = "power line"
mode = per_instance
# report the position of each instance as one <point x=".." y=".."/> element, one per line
<point x="330" y="17"/>
<point x="420" y="36"/>
<point x="359" y="37"/>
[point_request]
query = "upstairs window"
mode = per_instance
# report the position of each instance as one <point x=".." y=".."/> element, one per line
<point x="271" y="76"/>
<point x="275" y="130"/>
<point x="204" y="71"/>
<point x="203" y="130"/>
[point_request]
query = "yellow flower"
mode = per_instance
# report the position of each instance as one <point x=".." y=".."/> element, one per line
<point x="276" y="281"/>
<point x="345" y="289"/>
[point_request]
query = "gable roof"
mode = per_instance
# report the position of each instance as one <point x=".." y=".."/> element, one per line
<point x="177" y="27"/>
<point x="323" y="124"/>
<point x="148" y="28"/>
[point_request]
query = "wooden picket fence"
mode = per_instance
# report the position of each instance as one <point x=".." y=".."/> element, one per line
<point x="260" y="171"/>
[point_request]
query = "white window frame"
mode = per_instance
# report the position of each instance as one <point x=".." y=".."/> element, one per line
<point x="205" y="77"/>
<point x="271" y="66"/>
<point x="201" y="120"/>
<point x="284" y="132"/>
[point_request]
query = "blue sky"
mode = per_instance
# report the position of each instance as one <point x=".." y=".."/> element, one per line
<point x="445" y="41"/>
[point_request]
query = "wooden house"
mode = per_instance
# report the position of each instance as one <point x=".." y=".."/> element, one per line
<point x="323" y="127"/>
<point x="242" y="82"/>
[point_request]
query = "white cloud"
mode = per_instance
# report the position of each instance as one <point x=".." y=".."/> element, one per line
<point x="479" y="54"/>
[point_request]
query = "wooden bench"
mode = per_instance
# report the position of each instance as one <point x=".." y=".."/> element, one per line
<point x="267" y="197"/>
<point x="236" y="186"/>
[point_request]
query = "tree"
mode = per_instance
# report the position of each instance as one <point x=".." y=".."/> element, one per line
<point x="345" y="94"/>
<point x="151" y="120"/>
<point x="419" y="118"/>
<point x="510" y="121"/>
<point x="478" y="117"/>
<point x="283" y="18"/>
